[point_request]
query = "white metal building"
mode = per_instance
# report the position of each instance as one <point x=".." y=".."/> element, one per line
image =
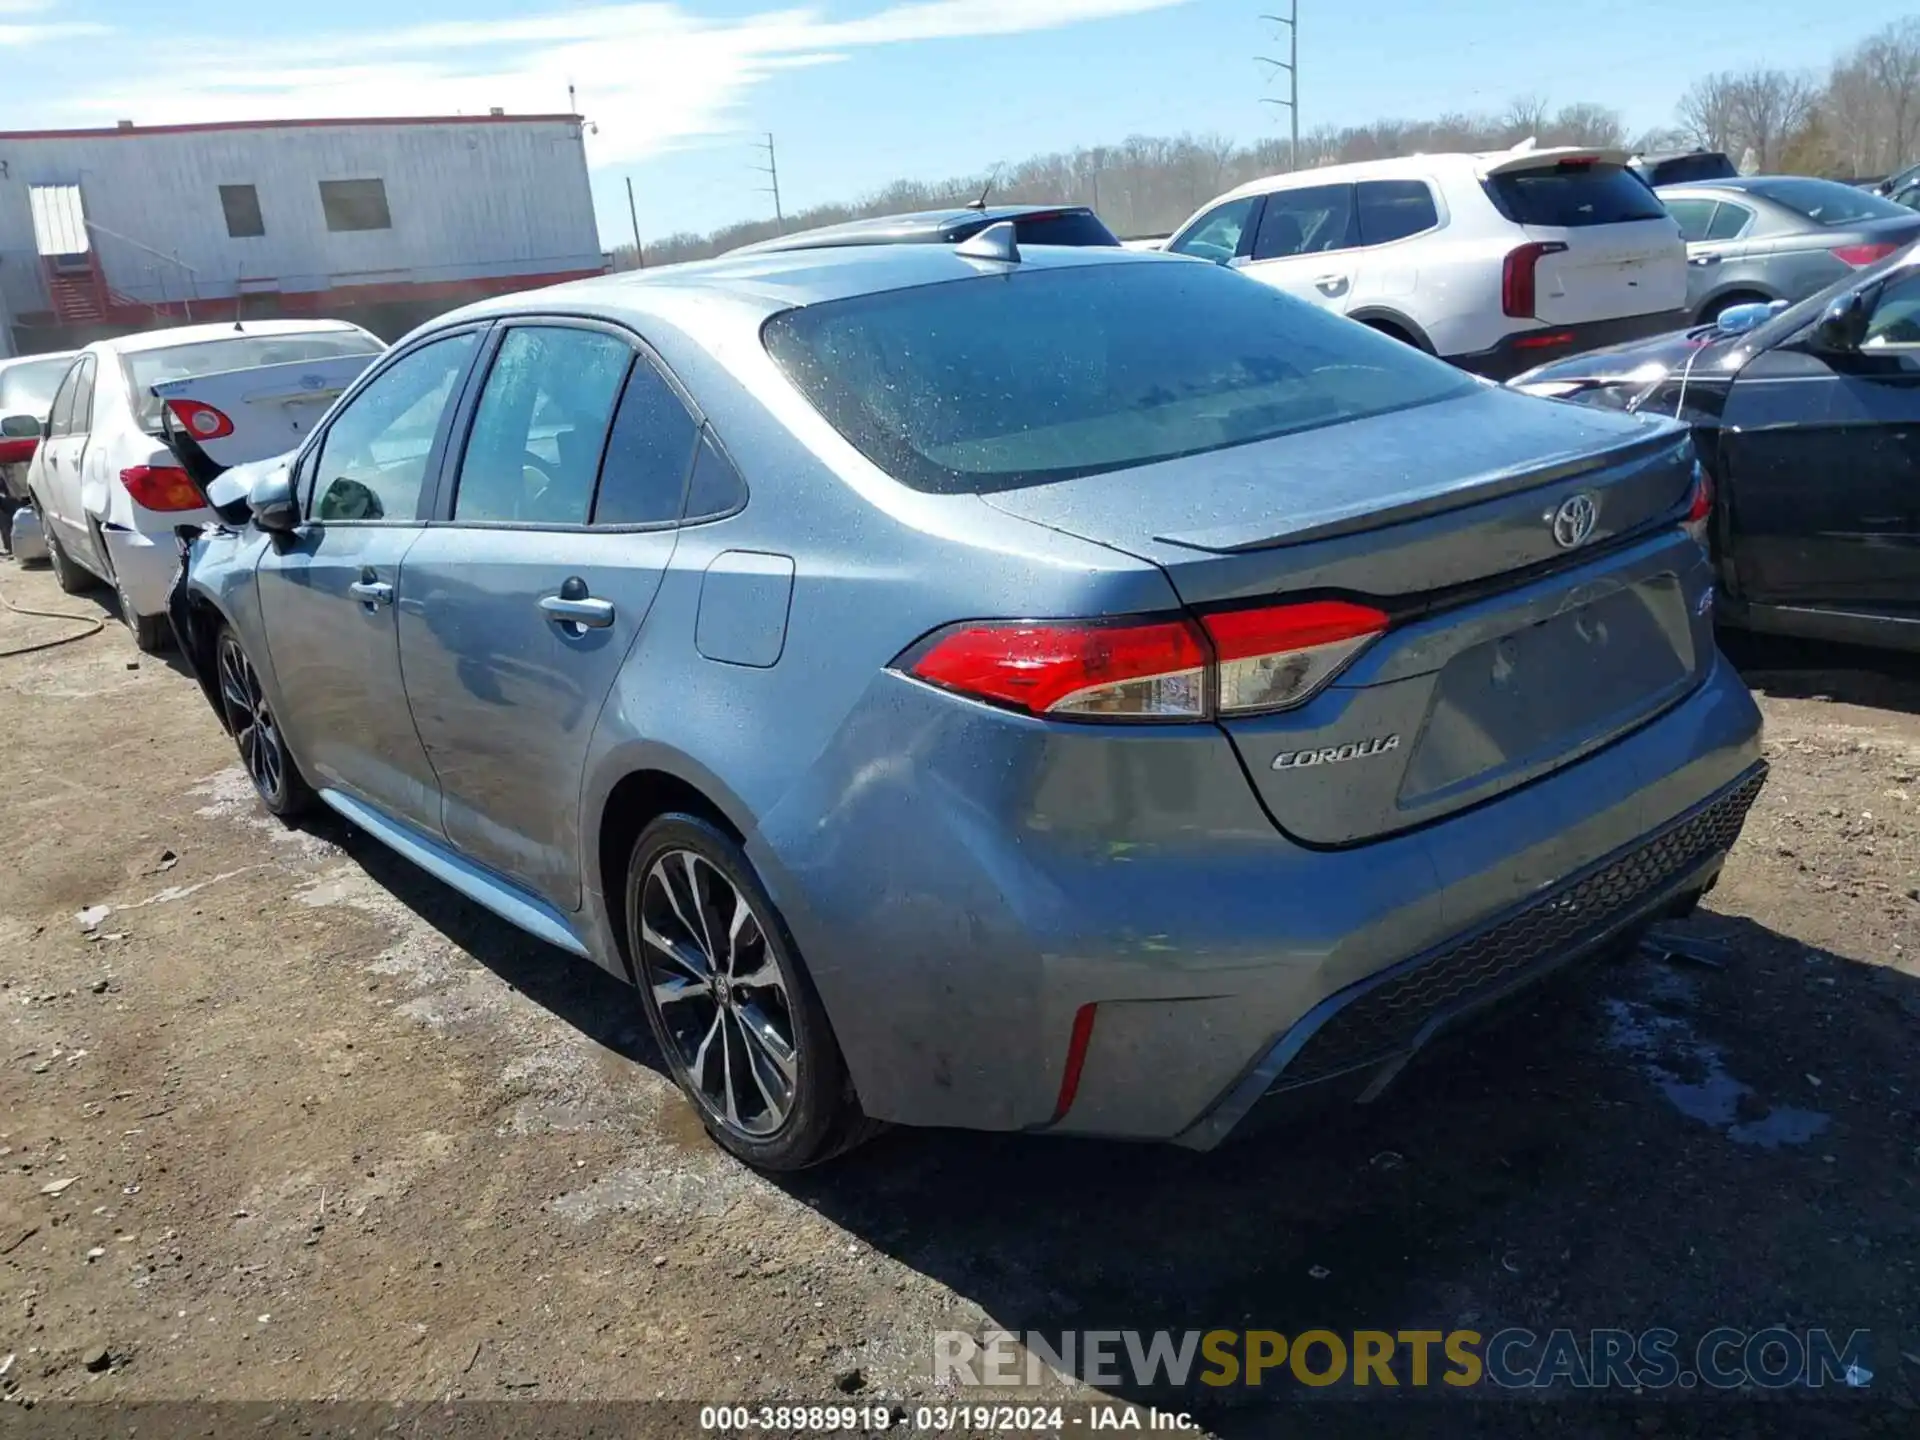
<point x="390" y="221"/>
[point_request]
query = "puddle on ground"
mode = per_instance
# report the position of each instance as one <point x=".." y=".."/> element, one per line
<point x="1692" y="1075"/>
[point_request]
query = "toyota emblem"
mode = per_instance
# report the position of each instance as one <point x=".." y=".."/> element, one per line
<point x="1573" y="521"/>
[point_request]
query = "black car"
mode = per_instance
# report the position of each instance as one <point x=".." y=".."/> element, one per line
<point x="1032" y="225"/>
<point x="1689" y="167"/>
<point x="1807" y="419"/>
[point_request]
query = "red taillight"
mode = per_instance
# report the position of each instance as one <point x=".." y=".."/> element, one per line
<point x="161" y="487"/>
<point x="1233" y="662"/>
<point x="17" y="452"/>
<point x="1127" y="669"/>
<point x="1858" y="255"/>
<point x="1699" y="505"/>
<point x="1275" y="657"/>
<point x="1517" y="290"/>
<point x="1544" y="339"/>
<point x="201" y="420"/>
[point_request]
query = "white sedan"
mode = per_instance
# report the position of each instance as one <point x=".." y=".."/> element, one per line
<point x="110" y="487"/>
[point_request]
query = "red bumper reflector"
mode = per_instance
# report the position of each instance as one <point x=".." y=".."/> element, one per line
<point x="1076" y="1058"/>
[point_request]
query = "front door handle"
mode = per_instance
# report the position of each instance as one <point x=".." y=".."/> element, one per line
<point x="593" y="614"/>
<point x="371" y="593"/>
<point x="1704" y="260"/>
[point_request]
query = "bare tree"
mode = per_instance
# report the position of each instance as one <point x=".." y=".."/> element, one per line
<point x="1587" y="124"/>
<point x="1771" y="107"/>
<point x="1706" y="112"/>
<point x="1525" y="115"/>
<point x="1890" y="63"/>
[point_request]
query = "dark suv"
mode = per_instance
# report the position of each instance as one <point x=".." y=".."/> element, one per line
<point x="1032" y="225"/>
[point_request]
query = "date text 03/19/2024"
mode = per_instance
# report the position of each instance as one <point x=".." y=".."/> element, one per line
<point x="960" y="1419"/>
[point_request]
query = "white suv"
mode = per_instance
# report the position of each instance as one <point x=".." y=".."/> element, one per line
<point x="1495" y="262"/>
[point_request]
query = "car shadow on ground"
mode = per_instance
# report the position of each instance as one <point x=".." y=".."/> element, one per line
<point x="1794" y="669"/>
<point x="1653" y="1141"/>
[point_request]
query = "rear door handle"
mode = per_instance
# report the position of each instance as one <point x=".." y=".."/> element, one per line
<point x="371" y="593"/>
<point x="1332" y="284"/>
<point x="566" y="610"/>
<point x="1704" y="260"/>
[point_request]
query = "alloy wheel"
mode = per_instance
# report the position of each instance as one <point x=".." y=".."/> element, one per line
<point x="261" y="749"/>
<point x="721" y="993"/>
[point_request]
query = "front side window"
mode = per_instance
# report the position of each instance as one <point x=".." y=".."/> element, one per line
<point x="1305" y="222"/>
<point x="541" y="426"/>
<point x="373" y="460"/>
<point x="1395" y="209"/>
<point x="355" y="204"/>
<point x="1013" y="380"/>
<point x="1216" y="235"/>
<point x="1694" y="216"/>
<point x="1896" y="315"/>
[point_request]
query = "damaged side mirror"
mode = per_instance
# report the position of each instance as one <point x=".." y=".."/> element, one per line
<point x="273" y="505"/>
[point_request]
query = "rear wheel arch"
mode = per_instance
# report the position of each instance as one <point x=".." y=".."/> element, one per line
<point x="635" y="801"/>
<point x="1394" y="325"/>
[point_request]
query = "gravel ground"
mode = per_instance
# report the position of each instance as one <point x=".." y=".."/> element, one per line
<point x="290" y="1120"/>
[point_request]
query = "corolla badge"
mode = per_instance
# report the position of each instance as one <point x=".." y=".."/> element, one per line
<point x="1336" y="754"/>
<point x="1573" y="522"/>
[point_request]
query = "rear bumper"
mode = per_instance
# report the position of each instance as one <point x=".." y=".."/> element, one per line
<point x="1356" y="1041"/>
<point x="143" y="565"/>
<point x="960" y="905"/>
<point x="1516" y="354"/>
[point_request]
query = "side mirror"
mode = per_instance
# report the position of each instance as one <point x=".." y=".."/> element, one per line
<point x="274" y="508"/>
<point x="20" y="427"/>
<point x="1844" y="325"/>
<point x="1739" y="319"/>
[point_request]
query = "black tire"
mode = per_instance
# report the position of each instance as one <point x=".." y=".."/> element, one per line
<point x="790" y="1105"/>
<point x="1394" y="332"/>
<point x="263" y="748"/>
<point x="71" y="578"/>
<point x="151" y="633"/>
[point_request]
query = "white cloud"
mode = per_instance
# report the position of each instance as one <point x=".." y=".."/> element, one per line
<point x="650" y="75"/>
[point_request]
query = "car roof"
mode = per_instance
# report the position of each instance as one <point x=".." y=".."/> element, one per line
<point x="1445" y="164"/>
<point x="774" y="280"/>
<point x="880" y="229"/>
<point x="226" y="330"/>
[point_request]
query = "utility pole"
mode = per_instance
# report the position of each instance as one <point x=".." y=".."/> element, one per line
<point x="1292" y="66"/>
<point x="772" y="171"/>
<point x="639" y="250"/>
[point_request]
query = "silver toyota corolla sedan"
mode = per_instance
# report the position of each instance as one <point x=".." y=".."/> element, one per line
<point x="1075" y="690"/>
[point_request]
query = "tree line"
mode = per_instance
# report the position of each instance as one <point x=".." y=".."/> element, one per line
<point x="1861" y="119"/>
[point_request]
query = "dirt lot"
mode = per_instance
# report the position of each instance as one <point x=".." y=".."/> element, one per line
<point x="291" y="1120"/>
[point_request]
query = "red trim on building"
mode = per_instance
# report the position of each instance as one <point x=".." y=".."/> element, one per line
<point x="205" y="126"/>
<point x="329" y="303"/>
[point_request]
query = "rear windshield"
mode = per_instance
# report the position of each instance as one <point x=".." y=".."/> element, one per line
<point x="1573" y="194"/>
<point x="147" y="368"/>
<point x="1827" y="202"/>
<point x="1047" y="374"/>
<point x="27" y="387"/>
<point x="1070" y="227"/>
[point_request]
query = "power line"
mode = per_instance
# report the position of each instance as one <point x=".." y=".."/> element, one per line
<point x="1292" y="66"/>
<point x="772" y="171"/>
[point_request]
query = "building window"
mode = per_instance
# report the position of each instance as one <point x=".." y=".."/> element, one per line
<point x="355" y="204"/>
<point x="242" y="204"/>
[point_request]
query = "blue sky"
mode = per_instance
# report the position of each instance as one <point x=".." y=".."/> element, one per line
<point x="858" y="92"/>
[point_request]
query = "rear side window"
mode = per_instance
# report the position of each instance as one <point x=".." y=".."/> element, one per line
<point x="1729" y="221"/>
<point x="1827" y="202"/>
<point x="1070" y="227"/>
<point x="716" y="488"/>
<point x="1305" y="222"/>
<point x="1574" y="194"/>
<point x="644" y="477"/>
<point x="994" y="383"/>
<point x="1395" y="209"/>
<point x="1695" y="217"/>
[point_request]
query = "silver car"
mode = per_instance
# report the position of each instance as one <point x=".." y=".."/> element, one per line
<point x="1779" y="237"/>
<point x="1065" y="690"/>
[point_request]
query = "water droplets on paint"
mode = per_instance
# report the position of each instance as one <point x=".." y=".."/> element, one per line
<point x="1693" y="1077"/>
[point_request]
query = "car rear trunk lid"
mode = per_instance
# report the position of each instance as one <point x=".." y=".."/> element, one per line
<point x="1511" y="653"/>
<point x="215" y="422"/>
